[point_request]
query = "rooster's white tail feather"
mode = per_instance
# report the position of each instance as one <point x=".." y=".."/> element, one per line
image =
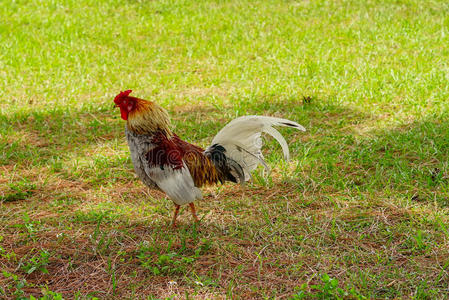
<point x="241" y="139"/>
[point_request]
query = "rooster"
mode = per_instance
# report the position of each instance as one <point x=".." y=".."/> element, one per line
<point x="163" y="161"/>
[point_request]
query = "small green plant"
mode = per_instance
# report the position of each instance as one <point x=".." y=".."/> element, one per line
<point x="10" y="256"/>
<point x="48" y="295"/>
<point x="30" y="226"/>
<point x="37" y="262"/>
<point x="170" y="262"/>
<point x="89" y="296"/>
<point x="328" y="289"/>
<point x="16" y="288"/>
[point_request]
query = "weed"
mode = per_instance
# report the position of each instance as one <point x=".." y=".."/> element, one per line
<point x="15" y="288"/>
<point x="328" y="289"/>
<point x="38" y="262"/>
<point x="169" y="262"/>
<point x="31" y="227"/>
<point x="48" y="295"/>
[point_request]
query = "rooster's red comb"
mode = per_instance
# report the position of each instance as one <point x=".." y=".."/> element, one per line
<point x="122" y="96"/>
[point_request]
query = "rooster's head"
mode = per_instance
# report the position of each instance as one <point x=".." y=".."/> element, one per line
<point x="125" y="102"/>
<point x="142" y="116"/>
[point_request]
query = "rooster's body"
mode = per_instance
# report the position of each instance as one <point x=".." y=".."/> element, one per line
<point x="165" y="162"/>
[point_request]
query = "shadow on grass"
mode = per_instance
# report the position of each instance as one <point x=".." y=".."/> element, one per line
<point x="35" y="137"/>
<point x="407" y="158"/>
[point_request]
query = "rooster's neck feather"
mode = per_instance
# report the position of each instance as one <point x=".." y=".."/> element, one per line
<point x="147" y="117"/>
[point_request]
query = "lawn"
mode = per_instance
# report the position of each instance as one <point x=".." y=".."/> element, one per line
<point x="361" y="211"/>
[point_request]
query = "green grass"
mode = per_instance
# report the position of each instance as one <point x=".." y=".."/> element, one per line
<point x="361" y="211"/>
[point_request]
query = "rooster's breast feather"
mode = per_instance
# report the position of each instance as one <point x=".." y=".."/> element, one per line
<point x="139" y="145"/>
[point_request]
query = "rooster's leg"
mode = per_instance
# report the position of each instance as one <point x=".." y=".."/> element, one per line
<point x="192" y="209"/>
<point x="175" y="215"/>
